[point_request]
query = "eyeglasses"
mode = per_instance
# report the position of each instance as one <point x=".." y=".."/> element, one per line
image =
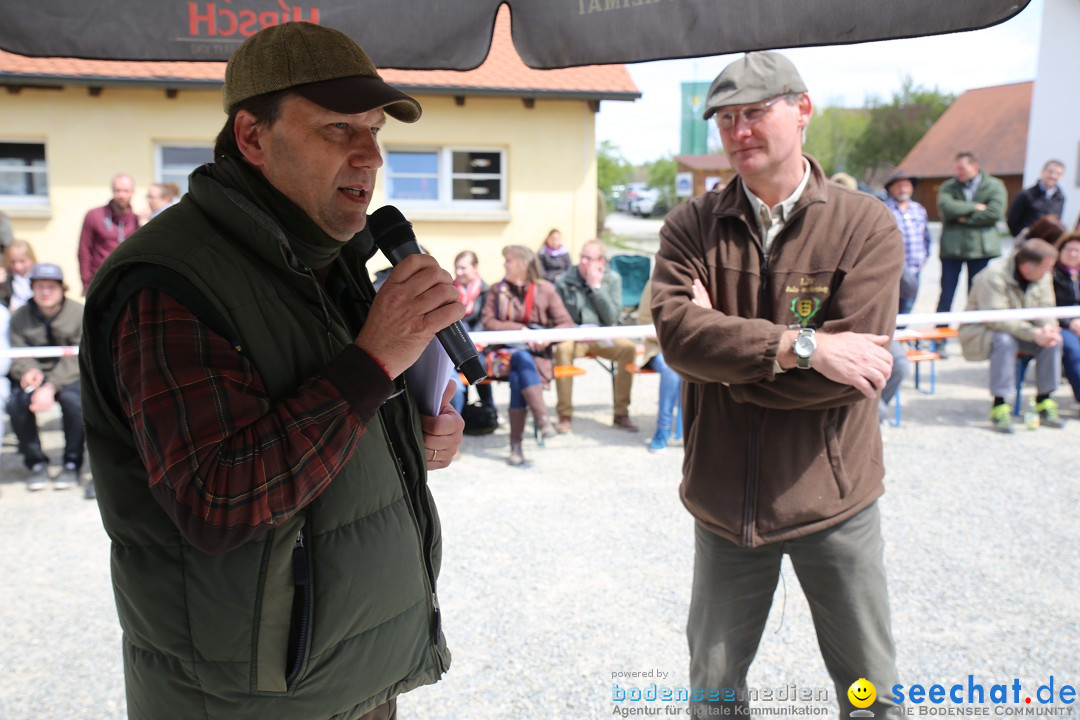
<point x="750" y="114"/>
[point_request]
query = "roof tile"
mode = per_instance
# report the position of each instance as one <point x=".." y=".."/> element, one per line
<point x="991" y="122"/>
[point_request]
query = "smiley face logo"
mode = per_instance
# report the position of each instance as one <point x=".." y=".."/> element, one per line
<point x="862" y="693"/>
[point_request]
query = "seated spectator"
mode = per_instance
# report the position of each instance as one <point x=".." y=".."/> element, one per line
<point x="5" y="366"/>
<point x="473" y="292"/>
<point x="554" y="257"/>
<point x="160" y="196"/>
<point x="521" y="300"/>
<point x="1020" y="280"/>
<point x="592" y="293"/>
<point x="670" y="382"/>
<point x="1067" y="292"/>
<point x="15" y="286"/>
<point x="47" y="319"/>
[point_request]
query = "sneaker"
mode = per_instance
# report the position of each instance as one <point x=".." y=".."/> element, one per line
<point x="1001" y="418"/>
<point x="658" y="442"/>
<point x="1049" y="415"/>
<point x="68" y="477"/>
<point x="39" y="477"/>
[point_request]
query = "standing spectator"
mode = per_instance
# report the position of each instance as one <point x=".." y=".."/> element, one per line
<point x="783" y="449"/>
<point x="49" y="319"/>
<point x="592" y="293"/>
<point x="1043" y="198"/>
<point x="971" y="204"/>
<point x="106" y="227"/>
<point x="1021" y="280"/>
<point x="7" y="234"/>
<point x="911" y="218"/>
<point x="1067" y="292"/>
<point x="522" y="300"/>
<point x="472" y="292"/>
<point x="554" y="257"/>
<point x="15" y="289"/>
<point x="262" y="466"/>
<point x="160" y="196"/>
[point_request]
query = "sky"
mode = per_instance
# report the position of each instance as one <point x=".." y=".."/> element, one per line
<point x="846" y="76"/>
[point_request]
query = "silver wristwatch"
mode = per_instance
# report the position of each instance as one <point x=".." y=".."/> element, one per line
<point x="804" y="347"/>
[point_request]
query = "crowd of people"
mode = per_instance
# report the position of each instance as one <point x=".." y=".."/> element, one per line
<point x="36" y="311"/>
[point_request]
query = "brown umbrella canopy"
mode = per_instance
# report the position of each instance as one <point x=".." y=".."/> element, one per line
<point x="456" y="34"/>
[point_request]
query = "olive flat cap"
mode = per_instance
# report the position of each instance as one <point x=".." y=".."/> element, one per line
<point x="321" y="64"/>
<point x="753" y="78"/>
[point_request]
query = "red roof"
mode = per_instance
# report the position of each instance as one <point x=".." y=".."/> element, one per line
<point x="991" y="122"/>
<point x="503" y="72"/>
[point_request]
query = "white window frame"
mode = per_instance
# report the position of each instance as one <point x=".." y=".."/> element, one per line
<point x="31" y="203"/>
<point x="446" y="177"/>
<point x="159" y="162"/>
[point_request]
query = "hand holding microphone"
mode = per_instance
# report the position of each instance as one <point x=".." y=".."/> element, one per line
<point x="418" y="301"/>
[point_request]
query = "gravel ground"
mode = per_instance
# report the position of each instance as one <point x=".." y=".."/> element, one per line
<point x="558" y="575"/>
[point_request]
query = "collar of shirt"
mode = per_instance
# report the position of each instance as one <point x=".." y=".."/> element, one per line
<point x="771" y="220"/>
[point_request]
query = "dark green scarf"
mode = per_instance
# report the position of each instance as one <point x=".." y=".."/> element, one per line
<point x="313" y="247"/>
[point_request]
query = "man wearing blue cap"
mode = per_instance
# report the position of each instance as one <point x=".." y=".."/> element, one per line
<point x="775" y="300"/>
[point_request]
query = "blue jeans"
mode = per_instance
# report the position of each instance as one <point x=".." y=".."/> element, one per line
<point x="1071" y="360"/>
<point x="523" y="375"/>
<point x="950" y="278"/>
<point x="670" y="387"/>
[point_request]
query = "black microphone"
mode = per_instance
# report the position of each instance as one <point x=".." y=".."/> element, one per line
<point x="395" y="237"/>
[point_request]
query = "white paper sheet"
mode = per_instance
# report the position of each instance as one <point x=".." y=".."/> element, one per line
<point x="428" y="377"/>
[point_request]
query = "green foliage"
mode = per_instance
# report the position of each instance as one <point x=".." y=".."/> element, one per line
<point x="895" y="127"/>
<point x="611" y="167"/>
<point x="832" y="135"/>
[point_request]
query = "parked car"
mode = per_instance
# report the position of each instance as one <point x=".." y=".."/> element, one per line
<point x="648" y="202"/>
<point x="625" y="201"/>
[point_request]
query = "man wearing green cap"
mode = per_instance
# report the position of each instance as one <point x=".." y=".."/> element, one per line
<point x="261" y="466"/>
<point x="775" y="300"/>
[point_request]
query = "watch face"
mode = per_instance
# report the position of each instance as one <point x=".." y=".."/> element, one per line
<point x="804" y="346"/>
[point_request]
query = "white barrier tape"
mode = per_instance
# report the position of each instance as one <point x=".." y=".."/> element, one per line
<point x="50" y="351"/>
<point x="982" y="316"/>
<point x="498" y="337"/>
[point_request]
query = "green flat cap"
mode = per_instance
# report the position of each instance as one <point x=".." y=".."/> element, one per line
<point x="753" y="78"/>
<point x="321" y="64"/>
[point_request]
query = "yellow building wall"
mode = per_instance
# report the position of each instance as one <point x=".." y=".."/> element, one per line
<point x="550" y="163"/>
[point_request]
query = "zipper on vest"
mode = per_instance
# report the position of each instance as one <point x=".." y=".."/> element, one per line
<point x="301" y="616"/>
<point x="426" y="538"/>
<point x="321" y="293"/>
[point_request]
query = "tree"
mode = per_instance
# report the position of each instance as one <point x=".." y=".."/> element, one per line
<point x="661" y="175"/>
<point x="832" y="135"/>
<point x="611" y="167"/>
<point x="895" y="127"/>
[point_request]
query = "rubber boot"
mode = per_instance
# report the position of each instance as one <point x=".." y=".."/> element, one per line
<point x="517" y="430"/>
<point x="534" y="398"/>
